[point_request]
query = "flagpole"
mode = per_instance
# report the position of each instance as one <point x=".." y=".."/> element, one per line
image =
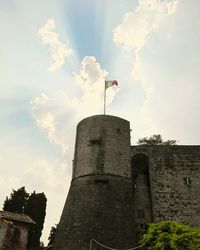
<point x="104" y="108"/>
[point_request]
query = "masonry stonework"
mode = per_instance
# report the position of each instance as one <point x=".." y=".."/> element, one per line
<point x="117" y="189"/>
<point x="100" y="204"/>
<point x="102" y="147"/>
<point x="174" y="182"/>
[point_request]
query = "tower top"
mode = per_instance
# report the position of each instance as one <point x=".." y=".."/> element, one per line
<point x="102" y="117"/>
<point x="102" y="147"/>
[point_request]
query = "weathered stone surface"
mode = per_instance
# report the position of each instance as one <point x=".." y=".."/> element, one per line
<point x="97" y="207"/>
<point x="117" y="189"/>
<point x="100" y="201"/>
<point x="13" y="235"/>
<point x="9" y="236"/>
<point x="102" y="146"/>
<point x="174" y="175"/>
<point x="14" y="229"/>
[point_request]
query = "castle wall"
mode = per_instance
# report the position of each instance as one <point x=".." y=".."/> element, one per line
<point x="99" y="208"/>
<point x="117" y="189"/>
<point x="100" y="204"/>
<point x="174" y="173"/>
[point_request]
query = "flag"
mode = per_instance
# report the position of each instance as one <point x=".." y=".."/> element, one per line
<point x="110" y="83"/>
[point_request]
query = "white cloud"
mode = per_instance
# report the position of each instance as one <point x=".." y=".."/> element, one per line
<point x="55" y="176"/>
<point x="1" y="157"/>
<point x="167" y="67"/>
<point x="59" y="51"/>
<point x="6" y="186"/>
<point x="59" y="113"/>
<point x="41" y="176"/>
<point x="91" y="80"/>
<point x="53" y="115"/>
<point x="134" y="33"/>
<point x="137" y="25"/>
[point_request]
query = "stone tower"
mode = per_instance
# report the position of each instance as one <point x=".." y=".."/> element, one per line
<point x="100" y="200"/>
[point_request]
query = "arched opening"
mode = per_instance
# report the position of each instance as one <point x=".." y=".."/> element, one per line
<point x="141" y="191"/>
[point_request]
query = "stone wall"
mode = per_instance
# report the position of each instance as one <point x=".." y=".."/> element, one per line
<point x="174" y="175"/>
<point x="100" y="208"/>
<point x="117" y="189"/>
<point x="9" y="236"/>
<point x="102" y="146"/>
<point x="100" y="200"/>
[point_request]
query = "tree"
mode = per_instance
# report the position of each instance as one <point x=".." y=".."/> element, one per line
<point x="37" y="211"/>
<point x="155" y="140"/>
<point x="33" y="205"/>
<point x="169" y="235"/>
<point x="52" y="234"/>
<point x="17" y="202"/>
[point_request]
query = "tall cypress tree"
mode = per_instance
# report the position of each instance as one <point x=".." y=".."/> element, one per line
<point x="37" y="211"/>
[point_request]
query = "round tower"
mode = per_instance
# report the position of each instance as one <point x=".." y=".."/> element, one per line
<point x="99" y="205"/>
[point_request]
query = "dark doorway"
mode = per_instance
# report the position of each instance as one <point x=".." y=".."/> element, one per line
<point x="141" y="191"/>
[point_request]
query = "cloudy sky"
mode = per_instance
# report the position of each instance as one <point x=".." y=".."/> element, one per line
<point x="54" y="58"/>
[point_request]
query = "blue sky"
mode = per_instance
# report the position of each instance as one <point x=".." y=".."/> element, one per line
<point x="54" y="57"/>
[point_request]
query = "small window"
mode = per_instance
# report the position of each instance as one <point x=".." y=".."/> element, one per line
<point x="101" y="181"/>
<point x="187" y="181"/>
<point x="95" y="141"/>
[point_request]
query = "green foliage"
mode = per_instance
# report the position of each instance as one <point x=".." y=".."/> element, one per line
<point x="17" y="202"/>
<point x="155" y="140"/>
<point x="37" y="211"/>
<point x="33" y="205"/>
<point x="52" y="234"/>
<point x="169" y="235"/>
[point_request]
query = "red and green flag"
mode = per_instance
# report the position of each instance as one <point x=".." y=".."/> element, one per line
<point x="110" y="83"/>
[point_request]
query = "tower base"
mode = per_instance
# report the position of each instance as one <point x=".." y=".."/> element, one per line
<point x="98" y="207"/>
